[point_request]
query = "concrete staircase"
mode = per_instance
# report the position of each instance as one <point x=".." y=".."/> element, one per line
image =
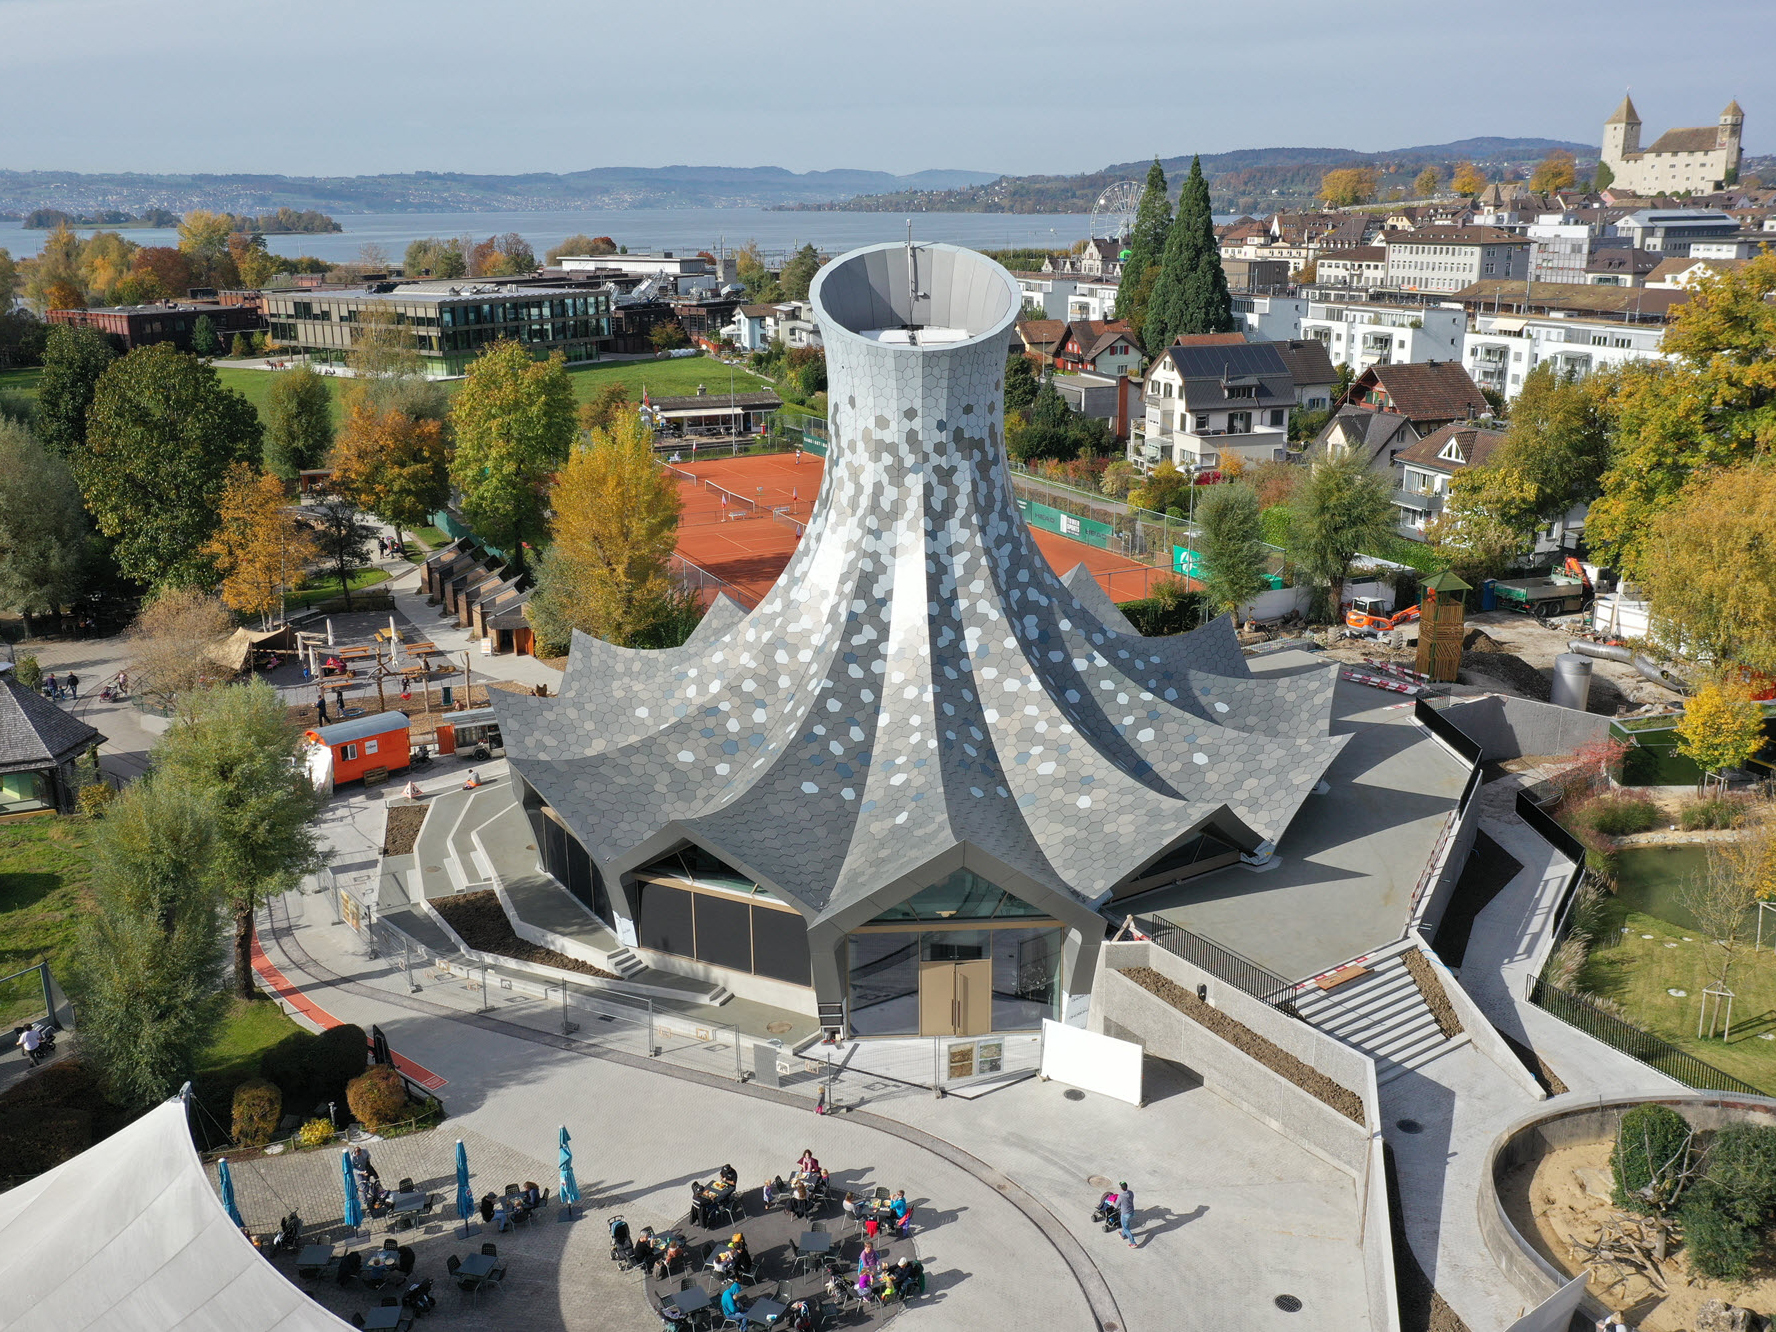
<point x="1382" y="1015"/>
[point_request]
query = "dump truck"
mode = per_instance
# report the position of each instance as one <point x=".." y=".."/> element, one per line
<point x="1561" y="592"/>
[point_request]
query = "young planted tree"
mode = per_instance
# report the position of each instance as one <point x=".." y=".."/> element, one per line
<point x="341" y="537"/>
<point x="203" y="336"/>
<point x="73" y="359"/>
<point x="1232" y="545"/>
<point x="150" y="960"/>
<point x="514" y="421"/>
<point x="1722" y="726"/>
<point x="236" y="750"/>
<point x="1339" y="508"/>
<point x="392" y="465"/>
<point x="260" y="548"/>
<point x="161" y="436"/>
<point x="171" y="640"/>
<point x="1723" y="900"/>
<point x="43" y="529"/>
<point x="615" y="526"/>
<point x="298" y="422"/>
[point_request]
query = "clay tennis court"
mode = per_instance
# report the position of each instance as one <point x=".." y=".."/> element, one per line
<point x="742" y="519"/>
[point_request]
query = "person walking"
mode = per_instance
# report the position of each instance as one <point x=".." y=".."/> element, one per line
<point x="50" y="687"/>
<point x="73" y="685"/>
<point x="1125" y="1208"/>
<point x="321" y="708"/>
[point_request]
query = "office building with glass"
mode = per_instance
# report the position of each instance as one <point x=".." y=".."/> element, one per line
<point x="906" y="790"/>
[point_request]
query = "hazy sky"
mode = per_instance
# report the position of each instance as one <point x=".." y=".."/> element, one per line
<point x="327" y="87"/>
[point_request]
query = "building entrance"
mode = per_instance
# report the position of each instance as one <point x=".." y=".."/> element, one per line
<point x="956" y="998"/>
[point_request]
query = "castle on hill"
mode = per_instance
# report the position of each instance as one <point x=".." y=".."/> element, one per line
<point x="1703" y="158"/>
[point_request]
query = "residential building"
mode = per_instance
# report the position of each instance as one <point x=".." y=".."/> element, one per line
<point x="1099" y="347"/>
<point x="1359" y="266"/>
<point x="1450" y="258"/>
<point x="1270" y="318"/>
<point x="1255" y="274"/>
<point x="1115" y="400"/>
<point x="1041" y="336"/>
<point x="1047" y="293"/>
<point x="1680" y="274"/>
<point x="666" y="264"/>
<point x="1205" y="403"/>
<point x="1311" y="369"/>
<point x="1503" y="348"/>
<point x="1632" y="305"/>
<point x="754" y="327"/>
<point x="1378" y="437"/>
<point x="1100" y="257"/>
<point x="132" y="326"/>
<point x="1703" y="158"/>
<point x="1620" y="266"/>
<point x="1559" y="250"/>
<point x="1430" y="395"/>
<point x="452" y="322"/>
<point x="1427" y="467"/>
<point x="1746" y="245"/>
<point x="1674" y="230"/>
<point x="796" y="325"/>
<point x="1362" y="335"/>
<point x="1093" y="298"/>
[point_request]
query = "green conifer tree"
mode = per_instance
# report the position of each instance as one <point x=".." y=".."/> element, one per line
<point x="1146" y="245"/>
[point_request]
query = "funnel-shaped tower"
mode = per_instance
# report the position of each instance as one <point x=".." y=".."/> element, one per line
<point x="922" y="746"/>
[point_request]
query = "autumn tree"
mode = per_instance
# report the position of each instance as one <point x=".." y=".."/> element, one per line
<point x="298" y="422"/>
<point x="798" y="273"/>
<point x="170" y="642"/>
<point x="393" y="465"/>
<point x="9" y="280"/>
<point x="259" y="547"/>
<point x="508" y="255"/>
<point x="514" y="422"/>
<point x="1709" y="569"/>
<point x="1345" y="187"/>
<point x="1427" y="183"/>
<point x="43" y="530"/>
<point x="1722" y="726"/>
<point x="52" y="277"/>
<point x="432" y="257"/>
<point x="1153" y="222"/>
<point x="253" y="259"/>
<point x="168" y="268"/>
<point x="1232" y="545"/>
<point x="1339" y="508"/>
<point x="754" y="274"/>
<point x="581" y="245"/>
<point x="667" y="335"/>
<point x="236" y="749"/>
<point x="610" y="402"/>
<point x="73" y="359"/>
<point x="1468" y="180"/>
<point x="614" y="529"/>
<point x="161" y="435"/>
<point x="1553" y="172"/>
<point x="203" y="240"/>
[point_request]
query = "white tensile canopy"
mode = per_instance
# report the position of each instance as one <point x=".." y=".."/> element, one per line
<point x="129" y="1236"/>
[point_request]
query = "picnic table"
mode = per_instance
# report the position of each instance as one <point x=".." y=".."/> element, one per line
<point x="388" y="1320"/>
<point x="314" y="1259"/>
<point x="478" y="1265"/>
<point x="354" y="653"/>
<point x="692" y="1300"/>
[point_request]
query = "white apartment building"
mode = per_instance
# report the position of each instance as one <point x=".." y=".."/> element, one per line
<point x="1560" y="250"/>
<point x="1047" y="292"/>
<point x="1270" y="318"/>
<point x="1359" y="266"/>
<point x="1093" y="298"/>
<point x="1204" y="403"/>
<point x="1450" y="258"/>
<point x="1364" y="335"/>
<point x="1502" y="349"/>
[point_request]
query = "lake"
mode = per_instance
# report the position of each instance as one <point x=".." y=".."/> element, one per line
<point x="678" y="229"/>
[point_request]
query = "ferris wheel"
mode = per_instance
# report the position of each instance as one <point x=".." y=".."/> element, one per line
<point x="1113" y="215"/>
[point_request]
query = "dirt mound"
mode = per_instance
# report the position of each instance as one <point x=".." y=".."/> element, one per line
<point x="1500" y="665"/>
<point x="480" y="922"/>
<point x="1478" y="640"/>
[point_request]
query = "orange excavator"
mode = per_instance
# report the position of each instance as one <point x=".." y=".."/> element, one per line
<point x="1368" y="615"/>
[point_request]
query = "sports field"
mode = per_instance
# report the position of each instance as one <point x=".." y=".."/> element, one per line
<point x="742" y="518"/>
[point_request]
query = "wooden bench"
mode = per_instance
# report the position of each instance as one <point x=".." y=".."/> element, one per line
<point x="1343" y="976"/>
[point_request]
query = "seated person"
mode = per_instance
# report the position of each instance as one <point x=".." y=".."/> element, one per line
<point x="901" y="1210"/>
<point x="731" y="1305"/>
<point x="866" y="1279"/>
<point x="886" y="1291"/>
<point x="723" y="1263"/>
<point x="487" y="1208"/>
<point x="798" y="1202"/>
<point x="532" y="1195"/>
<point x="674" y="1255"/>
<point x="774" y="1188"/>
<point x="909" y="1275"/>
<point x="742" y="1256"/>
<point x="644" y="1252"/>
<point x="869" y="1259"/>
<point x="699" y="1203"/>
<point x="806" y="1162"/>
<point x="730" y="1176"/>
<point x="850" y="1205"/>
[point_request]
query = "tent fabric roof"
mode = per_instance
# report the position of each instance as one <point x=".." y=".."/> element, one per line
<point x="129" y="1236"/>
<point x="35" y="733"/>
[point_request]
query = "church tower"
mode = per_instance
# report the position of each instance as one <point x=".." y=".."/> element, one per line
<point x="1621" y="133"/>
<point x="1732" y="124"/>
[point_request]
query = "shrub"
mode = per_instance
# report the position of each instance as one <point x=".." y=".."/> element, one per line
<point x="342" y="1054"/>
<point x="1712" y="812"/>
<point x="1621" y="815"/>
<point x="294" y="1065"/>
<point x="1652" y="1140"/>
<point x="27" y="672"/>
<point x="1719" y="1241"/>
<point x="258" y="1105"/>
<point x="315" y="1133"/>
<point x="1742" y="1160"/>
<point x="377" y="1096"/>
<point x="94" y="797"/>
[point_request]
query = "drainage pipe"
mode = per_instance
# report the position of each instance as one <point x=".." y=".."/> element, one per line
<point x="1651" y="669"/>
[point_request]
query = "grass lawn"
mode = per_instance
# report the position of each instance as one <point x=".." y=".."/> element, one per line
<point x="22" y="380"/>
<point x="43" y="896"/>
<point x="1638" y="973"/>
<point x="325" y="589"/>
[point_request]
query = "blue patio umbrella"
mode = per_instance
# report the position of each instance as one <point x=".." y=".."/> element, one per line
<point x="225" y="1186"/>
<point x="570" y="1187"/>
<point x="465" y="1200"/>
<point x="354" y="1206"/>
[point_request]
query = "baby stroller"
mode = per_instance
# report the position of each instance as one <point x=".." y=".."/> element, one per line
<point x="622" y="1243"/>
<point x="1105" y="1213"/>
<point x="289" y="1236"/>
<point x="419" y="1297"/>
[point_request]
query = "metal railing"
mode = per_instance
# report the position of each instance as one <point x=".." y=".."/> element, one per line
<point x="1620" y="1034"/>
<point x="1223" y="963"/>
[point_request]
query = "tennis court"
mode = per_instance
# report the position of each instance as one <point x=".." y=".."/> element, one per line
<point x="742" y="518"/>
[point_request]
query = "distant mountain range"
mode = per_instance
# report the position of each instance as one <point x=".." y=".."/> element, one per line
<point x="1245" y="180"/>
<point x="21" y="192"/>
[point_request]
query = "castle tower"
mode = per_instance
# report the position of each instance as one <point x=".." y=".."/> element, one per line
<point x="1732" y="125"/>
<point x="1621" y="133"/>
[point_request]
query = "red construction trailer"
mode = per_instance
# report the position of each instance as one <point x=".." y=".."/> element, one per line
<point x="364" y="744"/>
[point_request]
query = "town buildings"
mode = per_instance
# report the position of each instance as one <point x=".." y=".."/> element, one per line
<point x="1362" y="335"/>
<point x="1700" y="159"/>
<point x="1450" y="258"/>
<point x="1427" y="467"/>
<point x="1205" y="403"/>
<point x="1103" y="348"/>
<point x="1359" y="266"/>
<point x="133" y="326"/>
<point x="1501" y="349"/>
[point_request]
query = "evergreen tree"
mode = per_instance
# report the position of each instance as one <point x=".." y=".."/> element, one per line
<point x="1152" y="223"/>
<point x="1207" y="307"/>
<point x="203" y="336"/>
<point x="1232" y="545"/>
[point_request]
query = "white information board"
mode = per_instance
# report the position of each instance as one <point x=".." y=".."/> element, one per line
<point x="1097" y="1063"/>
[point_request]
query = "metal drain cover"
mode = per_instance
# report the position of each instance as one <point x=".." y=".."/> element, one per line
<point x="1409" y="1126"/>
<point x="1288" y="1304"/>
<point x="1073" y="1094"/>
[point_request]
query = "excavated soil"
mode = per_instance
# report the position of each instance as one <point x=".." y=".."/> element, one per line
<point x="402" y="829"/>
<point x="1431" y="988"/>
<point x="478" y="919"/>
<point x="1273" y="1057"/>
<point x="1547" y="1201"/>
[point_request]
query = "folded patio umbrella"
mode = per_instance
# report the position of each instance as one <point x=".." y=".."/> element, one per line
<point x="225" y="1186"/>
<point x="465" y="1200"/>
<point x="354" y="1206"/>
<point x="570" y="1187"/>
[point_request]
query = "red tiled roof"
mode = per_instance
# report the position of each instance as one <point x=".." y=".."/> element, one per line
<point x="1456" y="236"/>
<point x="1043" y="333"/>
<point x="1476" y="445"/>
<point x="1427" y="391"/>
<point x="1208" y="339"/>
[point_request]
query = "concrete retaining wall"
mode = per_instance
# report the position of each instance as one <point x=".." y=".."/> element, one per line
<point x="1481" y="1033"/>
<point x="1378" y="1245"/>
<point x="1568" y="1121"/>
<point x="1124" y="1009"/>
<point x="1512" y="727"/>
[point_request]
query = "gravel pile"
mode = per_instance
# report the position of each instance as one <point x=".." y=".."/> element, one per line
<point x="1273" y="1057"/>
<point x="482" y="925"/>
<point x="1430" y="986"/>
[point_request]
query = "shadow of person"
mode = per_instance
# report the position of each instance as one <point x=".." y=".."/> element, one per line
<point x="1167" y="1219"/>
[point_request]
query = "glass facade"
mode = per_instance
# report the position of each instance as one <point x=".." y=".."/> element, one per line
<point x="691" y="903"/>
